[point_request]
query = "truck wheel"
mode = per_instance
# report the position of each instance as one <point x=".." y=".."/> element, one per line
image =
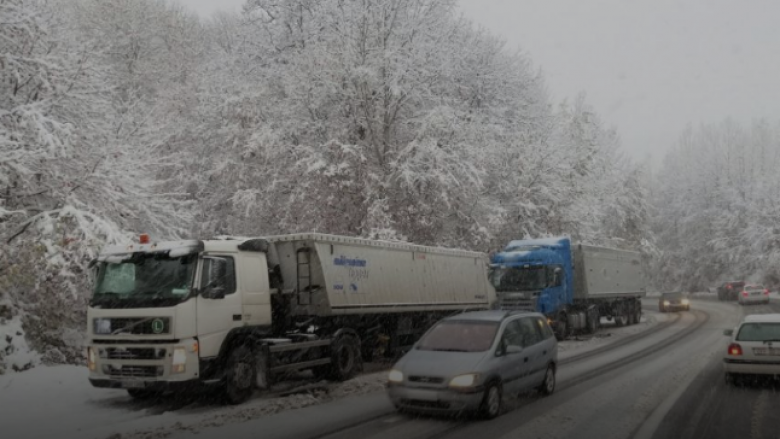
<point x="561" y="329"/>
<point x="621" y="319"/>
<point x="345" y="358"/>
<point x="593" y="319"/>
<point x="637" y="315"/>
<point x="240" y="375"/>
<point x="491" y="402"/>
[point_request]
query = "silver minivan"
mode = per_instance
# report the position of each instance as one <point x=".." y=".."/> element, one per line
<point x="469" y="361"/>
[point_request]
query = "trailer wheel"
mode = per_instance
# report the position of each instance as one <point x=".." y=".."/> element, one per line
<point x="240" y="375"/>
<point x="345" y="358"/>
<point x="637" y="314"/>
<point x="622" y="315"/>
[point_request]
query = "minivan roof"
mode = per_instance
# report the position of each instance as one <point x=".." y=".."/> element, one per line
<point x="491" y="316"/>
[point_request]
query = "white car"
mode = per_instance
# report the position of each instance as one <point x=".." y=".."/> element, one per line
<point x="751" y="294"/>
<point x="754" y="347"/>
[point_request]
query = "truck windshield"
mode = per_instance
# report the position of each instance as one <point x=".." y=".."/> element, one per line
<point x="519" y="278"/>
<point x="147" y="280"/>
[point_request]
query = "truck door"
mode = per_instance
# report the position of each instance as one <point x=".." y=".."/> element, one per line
<point x="219" y="304"/>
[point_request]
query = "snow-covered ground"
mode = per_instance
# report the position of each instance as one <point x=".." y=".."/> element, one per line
<point x="59" y="401"/>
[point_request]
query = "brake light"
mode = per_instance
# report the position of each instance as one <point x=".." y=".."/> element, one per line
<point x="144" y="238"/>
<point x="728" y="287"/>
<point x="735" y="349"/>
<point x="744" y="294"/>
<point x="766" y="291"/>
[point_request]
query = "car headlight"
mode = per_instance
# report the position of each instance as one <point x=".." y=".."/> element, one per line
<point x="395" y="376"/>
<point x="179" y="360"/>
<point x="685" y="301"/>
<point x="666" y="303"/>
<point x="468" y="380"/>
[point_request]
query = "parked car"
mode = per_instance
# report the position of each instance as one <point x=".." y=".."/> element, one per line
<point x="676" y="301"/>
<point x="467" y="362"/>
<point x="754" y="348"/>
<point x="729" y="290"/>
<point x="751" y="294"/>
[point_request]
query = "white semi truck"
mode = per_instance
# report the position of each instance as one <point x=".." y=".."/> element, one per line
<point x="240" y="312"/>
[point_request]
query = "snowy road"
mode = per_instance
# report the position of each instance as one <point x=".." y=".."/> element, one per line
<point x="658" y="379"/>
<point x="711" y="408"/>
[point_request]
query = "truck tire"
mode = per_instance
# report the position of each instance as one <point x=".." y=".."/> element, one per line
<point x="621" y="317"/>
<point x="562" y="327"/>
<point x="345" y="358"/>
<point x="637" y="314"/>
<point x="239" y="375"/>
<point x="593" y="322"/>
<point x="632" y="320"/>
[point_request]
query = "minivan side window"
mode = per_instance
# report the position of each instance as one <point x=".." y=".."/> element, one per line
<point x="512" y="334"/>
<point x="530" y="333"/>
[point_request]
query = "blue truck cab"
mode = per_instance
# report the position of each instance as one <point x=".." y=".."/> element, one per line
<point x="573" y="285"/>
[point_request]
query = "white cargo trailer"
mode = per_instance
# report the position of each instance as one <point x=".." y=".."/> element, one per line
<point x="239" y="312"/>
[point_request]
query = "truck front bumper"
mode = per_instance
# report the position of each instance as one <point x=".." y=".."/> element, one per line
<point x="144" y="366"/>
<point x="154" y="386"/>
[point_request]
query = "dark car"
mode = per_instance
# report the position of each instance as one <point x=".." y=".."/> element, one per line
<point x="673" y="302"/>
<point x="730" y="290"/>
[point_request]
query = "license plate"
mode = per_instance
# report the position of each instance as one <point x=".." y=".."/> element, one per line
<point x="766" y="351"/>
<point x="132" y="384"/>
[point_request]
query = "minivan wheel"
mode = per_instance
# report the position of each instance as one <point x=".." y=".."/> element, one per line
<point x="491" y="402"/>
<point x="548" y="384"/>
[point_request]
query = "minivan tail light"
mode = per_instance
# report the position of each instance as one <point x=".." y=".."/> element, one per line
<point x="735" y="349"/>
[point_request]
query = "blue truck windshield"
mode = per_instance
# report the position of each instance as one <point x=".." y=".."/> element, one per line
<point x="519" y="278"/>
<point x="147" y="280"/>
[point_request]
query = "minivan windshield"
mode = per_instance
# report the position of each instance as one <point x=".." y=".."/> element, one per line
<point x="460" y="336"/>
<point x="759" y="332"/>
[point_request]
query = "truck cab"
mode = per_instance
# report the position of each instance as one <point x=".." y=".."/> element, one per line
<point x="533" y="275"/>
<point x="160" y="312"/>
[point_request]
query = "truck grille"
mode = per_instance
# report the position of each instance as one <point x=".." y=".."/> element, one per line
<point x="132" y="325"/>
<point x="135" y="353"/>
<point x="518" y="303"/>
<point x="133" y="371"/>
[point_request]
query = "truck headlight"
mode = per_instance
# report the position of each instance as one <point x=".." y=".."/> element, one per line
<point x="395" y="376"/>
<point x="468" y="380"/>
<point x="179" y="360"/>
<point x="91" y="359"/>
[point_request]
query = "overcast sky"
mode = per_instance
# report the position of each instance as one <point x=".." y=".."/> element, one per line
<point x="649" y="67"/>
